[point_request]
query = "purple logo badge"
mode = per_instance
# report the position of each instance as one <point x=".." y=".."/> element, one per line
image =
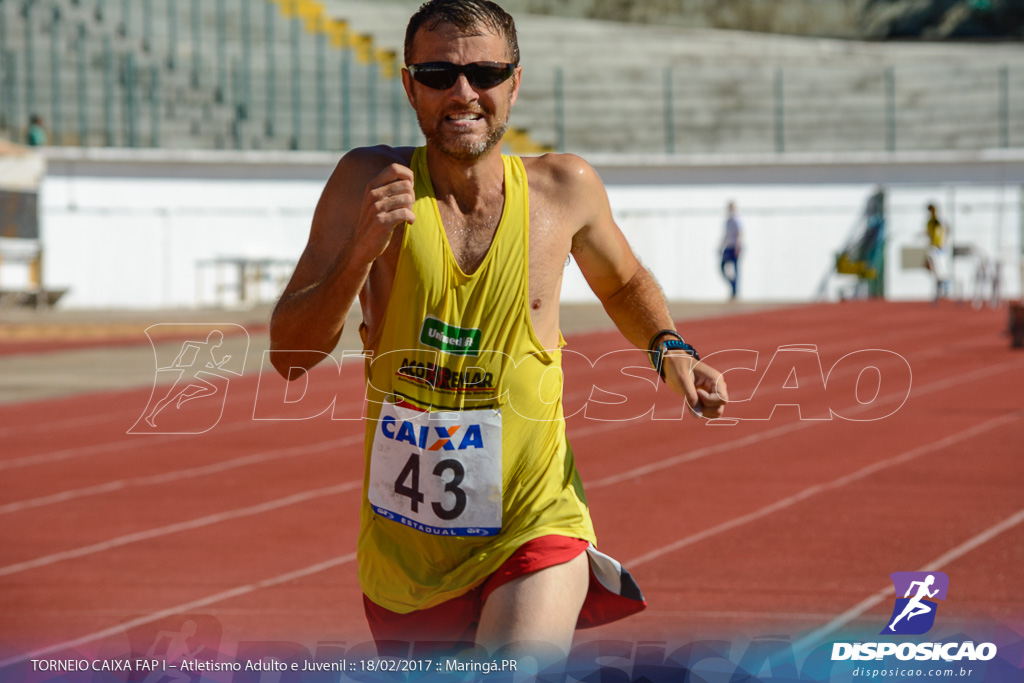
<point x="914" y="612"/>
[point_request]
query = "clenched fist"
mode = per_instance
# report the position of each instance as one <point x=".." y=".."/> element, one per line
<point x="387" y="203"/>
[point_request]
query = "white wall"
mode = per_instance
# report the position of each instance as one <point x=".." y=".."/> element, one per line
<point x="128" y="229"/>
<point x="792" y="234"/>
<point x="137" y="243"/>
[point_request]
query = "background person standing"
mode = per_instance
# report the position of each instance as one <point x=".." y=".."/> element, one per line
<point x="37" y="135"/>
<point x="936" y="256"/>
<point x="731" y="245"/>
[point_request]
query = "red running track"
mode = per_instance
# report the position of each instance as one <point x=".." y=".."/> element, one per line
<point x="769" y="525"/>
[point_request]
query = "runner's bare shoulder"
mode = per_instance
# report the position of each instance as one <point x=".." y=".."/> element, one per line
<point x="557" y="174"/>
<point x="342" y="197"/>
<point x="566" y="188"/>
<point x="362" y="164"/>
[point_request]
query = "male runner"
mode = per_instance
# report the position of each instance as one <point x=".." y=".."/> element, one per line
<point x="474" y="523"/>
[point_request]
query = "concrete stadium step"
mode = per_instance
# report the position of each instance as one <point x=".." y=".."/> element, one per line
<point x="613" y="79"/>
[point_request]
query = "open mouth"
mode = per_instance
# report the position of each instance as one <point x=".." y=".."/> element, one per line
<point x="464" y="117"/>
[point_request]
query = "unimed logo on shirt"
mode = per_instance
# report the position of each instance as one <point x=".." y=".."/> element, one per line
<point x="458" y="341"/>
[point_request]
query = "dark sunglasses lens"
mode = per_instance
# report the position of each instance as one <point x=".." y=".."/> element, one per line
<point x="443" y="76"/>
<point x="486" y="76"/>
<point x="437" y="77"/>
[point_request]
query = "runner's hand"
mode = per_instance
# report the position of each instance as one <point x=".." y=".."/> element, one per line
<point x="702" y="386"/>
<point x="387" y="203"/>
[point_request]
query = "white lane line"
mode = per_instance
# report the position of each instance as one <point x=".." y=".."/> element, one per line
<point x="186" y="607"/>
<point x="344" y="559"/>
<point x="697" y="454"/>
<point x="812" y="491"/>
<point x="56" y="425"/>
<point x="919" y="356"/>
<point x="127" y="414"/>
<point x="225" y="595"/>
<point x="178" y="527"/>
<point x="100" y="449"/>
<point x="807" y="493"/>
<point x="782" y="430"/>
<point x="744" y="615"/>
<point x="124" y="443"/>
<point x="178" y="475"/>
<point x="815" y="637"/>
<point x="129" y="441"/>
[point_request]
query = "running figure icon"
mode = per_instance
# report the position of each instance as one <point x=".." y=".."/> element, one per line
<point x="191" y="361"/>
<point x="916" y="606"/>
<point x="175" y="651"/>
<point x="188" y="360"/>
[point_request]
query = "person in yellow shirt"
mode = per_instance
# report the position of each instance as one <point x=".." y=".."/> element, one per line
<point x="936" y="254"/>
<point x="474" y="521"/>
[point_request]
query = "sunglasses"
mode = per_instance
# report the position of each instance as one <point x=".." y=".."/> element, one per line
<point x="443" y="75"/>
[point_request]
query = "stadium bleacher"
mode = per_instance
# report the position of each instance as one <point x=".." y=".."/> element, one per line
<point x="322" y="75"/>
<point x="190" y="75"/>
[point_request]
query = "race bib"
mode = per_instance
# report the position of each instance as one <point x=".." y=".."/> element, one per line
<point x="438" y="472"/>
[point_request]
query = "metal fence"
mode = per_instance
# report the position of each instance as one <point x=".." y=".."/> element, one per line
<point x="791" y="109"/>
<point x="273" y="74"/>
<point x="281" y="74"/>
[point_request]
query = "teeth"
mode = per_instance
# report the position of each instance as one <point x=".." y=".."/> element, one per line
<point x="464" y="117"/>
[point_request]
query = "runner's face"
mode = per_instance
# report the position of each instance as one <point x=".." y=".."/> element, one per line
<point x="462" y="122"/>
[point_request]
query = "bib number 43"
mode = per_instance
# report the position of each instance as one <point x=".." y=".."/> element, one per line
<point x="408" y="484"/>
<point x="440" y="480"/>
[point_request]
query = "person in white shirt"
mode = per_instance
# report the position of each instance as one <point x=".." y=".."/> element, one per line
<point x="731" y="244"/>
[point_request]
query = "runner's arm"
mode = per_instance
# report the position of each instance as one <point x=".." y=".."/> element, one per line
<point x="364" y="200"/>
<point x="628" y="291"/>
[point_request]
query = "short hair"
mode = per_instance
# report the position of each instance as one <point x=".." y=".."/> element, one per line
<point x="465" y="16"/>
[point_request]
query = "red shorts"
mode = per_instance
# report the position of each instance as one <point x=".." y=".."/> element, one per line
<point x="455" y="621"/>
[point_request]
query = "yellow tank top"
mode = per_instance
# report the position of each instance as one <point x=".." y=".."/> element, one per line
<point x="466" y="454"/>
<point x="936" y="233"/>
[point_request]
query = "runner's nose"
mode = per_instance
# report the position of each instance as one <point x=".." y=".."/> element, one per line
<point x="463" y="91"/>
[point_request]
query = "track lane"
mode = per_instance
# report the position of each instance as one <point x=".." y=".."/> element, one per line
<point x="250" y="479"/>
<point x="599" y="440"/>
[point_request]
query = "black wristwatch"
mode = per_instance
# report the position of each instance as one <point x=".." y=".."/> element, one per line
<point x="674" y="342"/>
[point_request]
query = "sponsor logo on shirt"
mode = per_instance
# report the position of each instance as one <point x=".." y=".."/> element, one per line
<point x="432" y="438"/>
<point x="457" y="341"/>
<point x="442" y="378"/>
